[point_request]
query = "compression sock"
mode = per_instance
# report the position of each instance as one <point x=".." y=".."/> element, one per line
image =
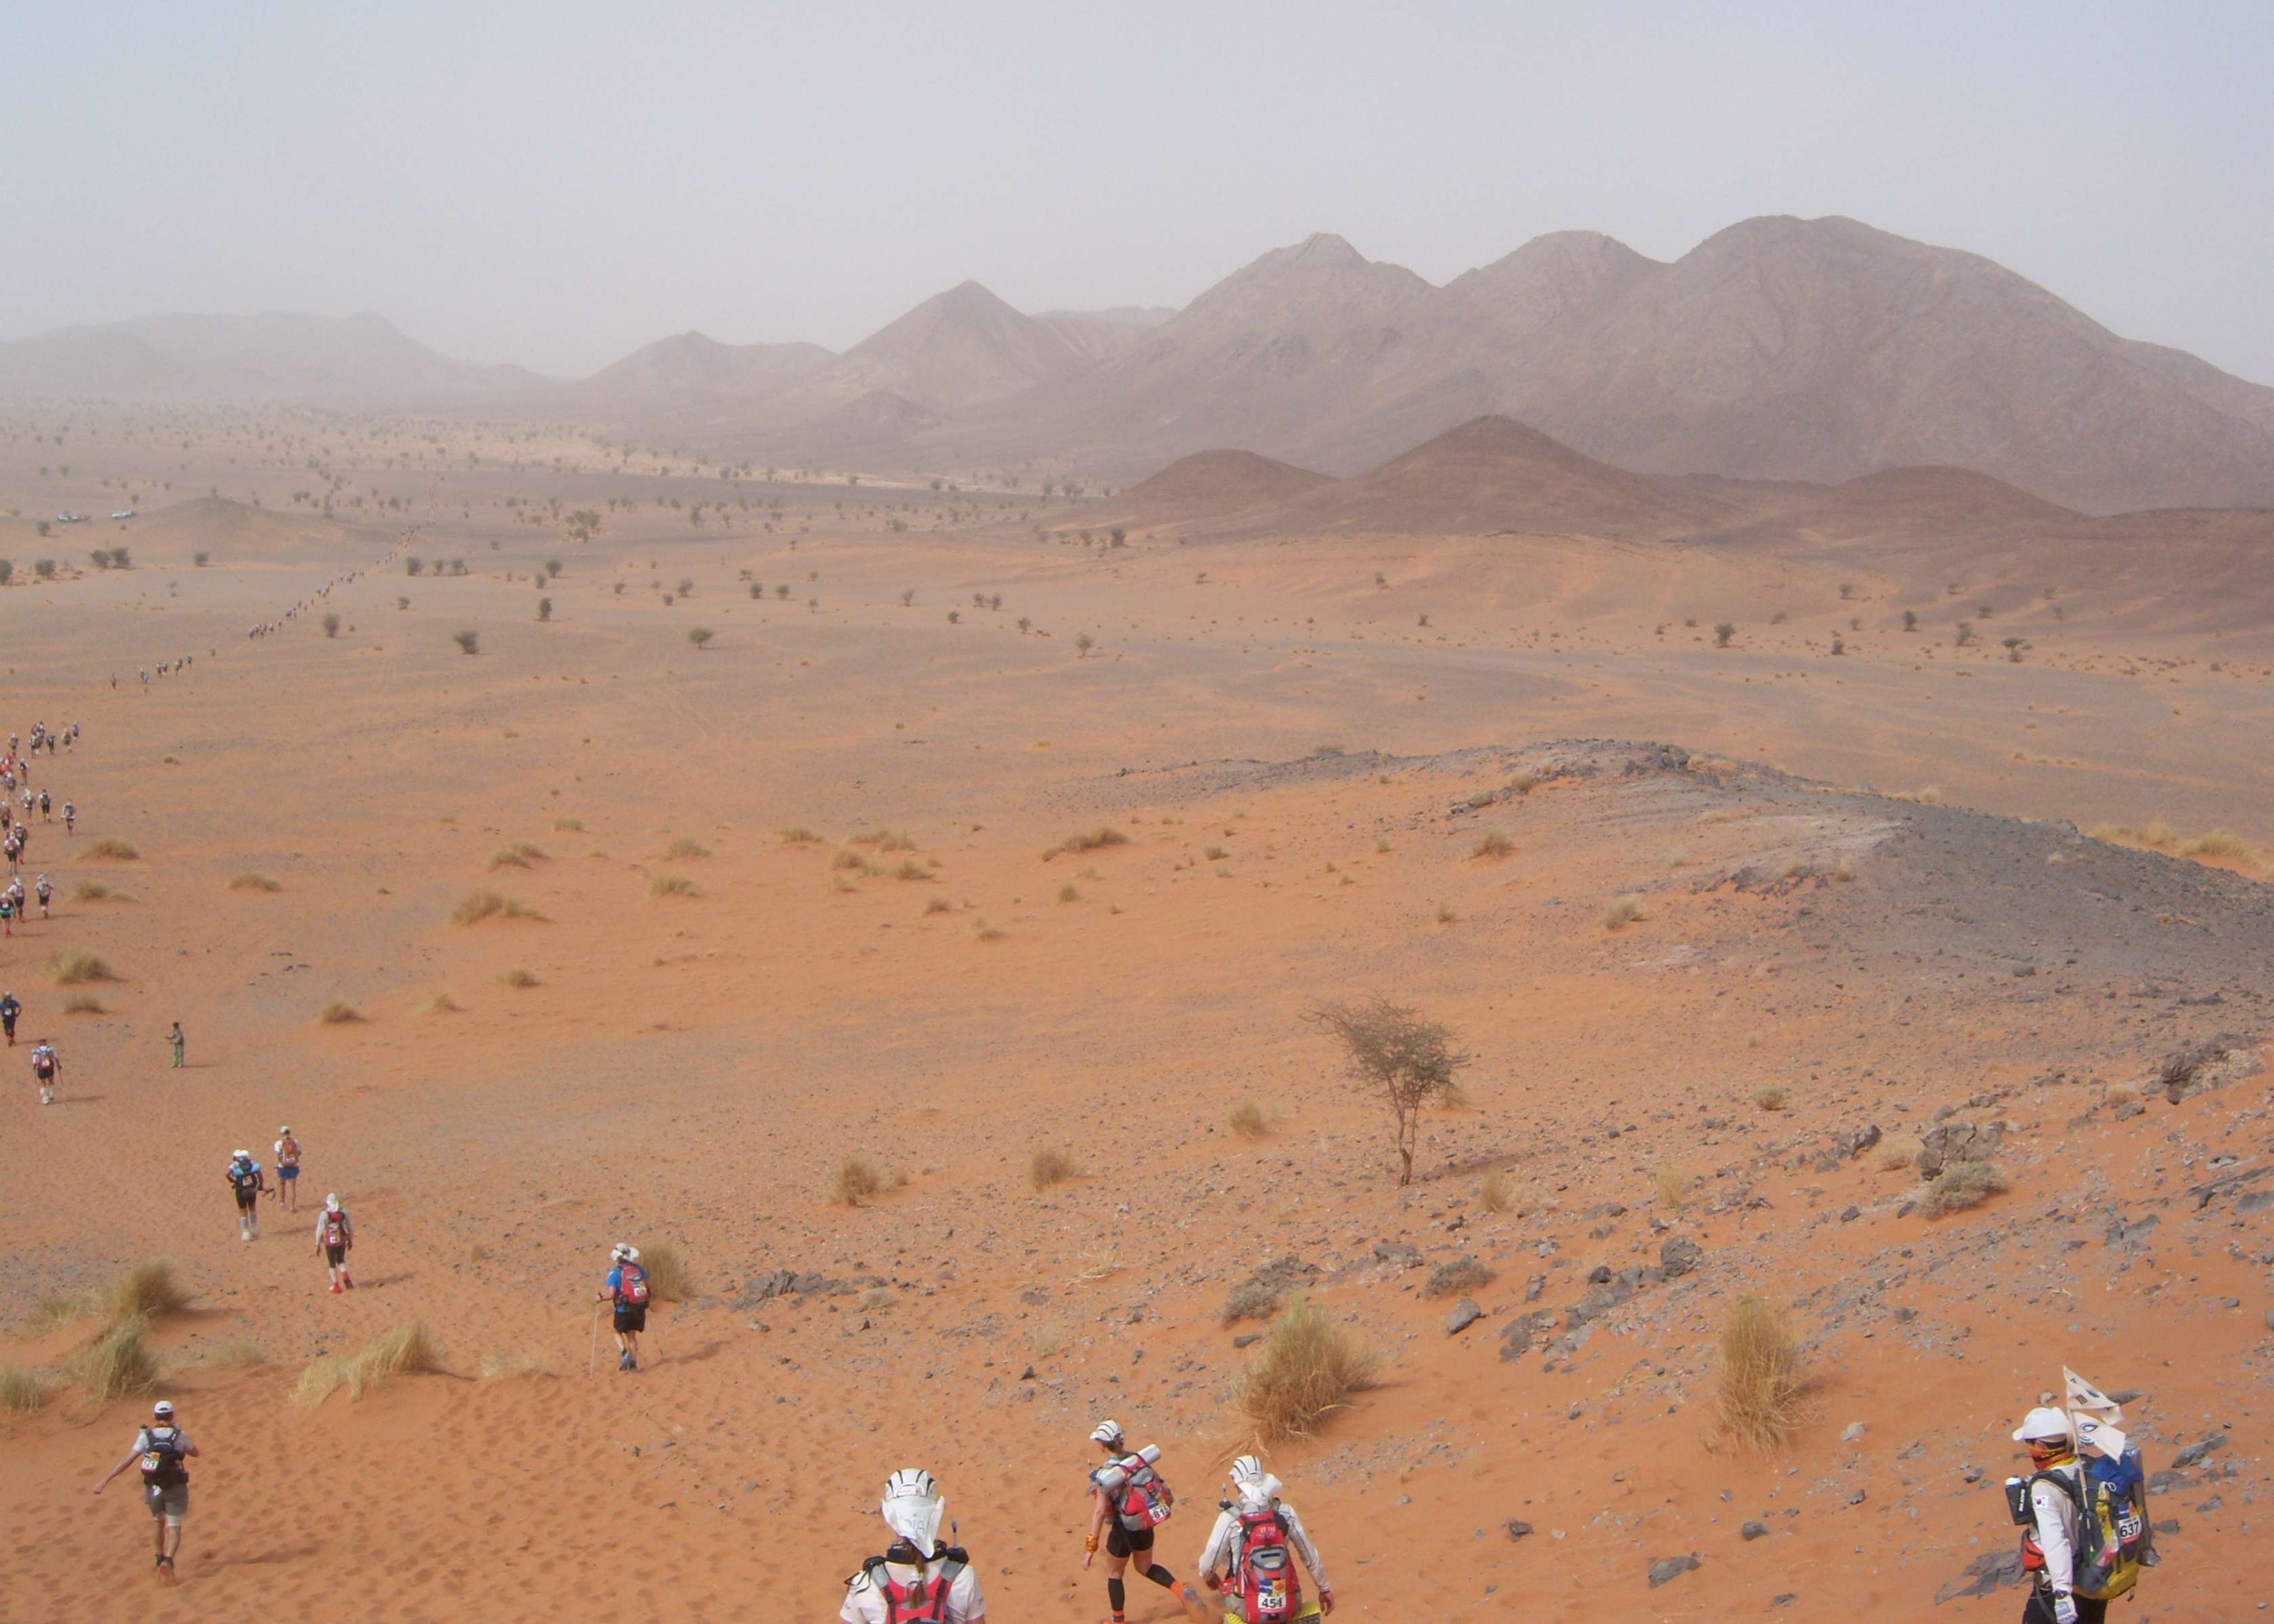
<point x="1117" y="1597"/>
<point x="1162" y="1577"/>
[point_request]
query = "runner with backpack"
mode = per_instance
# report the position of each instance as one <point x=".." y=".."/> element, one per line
<point x="161" y="1447"/>
<point x="244" y="1183"/>
<point x="335" y="1239"/>
<point x="9" y="1010"/>
<point x="906" y="1585"/>
<point x="2083" y="1535"/>
<point x="628" y="1288"/>
<point x="1250" y="1555"/>
<point x="45" y="1063"/>
<point x="287" y="1170"/>
<point x="1129" y="1500"/>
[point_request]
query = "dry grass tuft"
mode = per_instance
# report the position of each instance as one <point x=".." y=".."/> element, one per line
<point x="441" y="1003"/>
<point x="670" y="1277"/>
<point x="1088" y="840"/>
<point x="938" y="905"/>
<point x="406" y="1351"/>
<point x="673" y="885"/>
<point x="909" y="869"/>
<point x="1496" y="844"/>
<point x="90" y="891"/>
<point x="83" y="1004"/>
<point x="339" y="1012"/>
<point x="1069" y="892"/>
<point x="569" y="825"/>
<point x="984" y="932"/>
<point x="884" y="839"/>
<point x="799" y="836"/>
<point x="1772" y="1098"/>
<point x="22" y="1390"/>
<point x="858" y="1181"/>
<point x="239" y="1352"/>
<point x="1247" y="1120"/>
<point x="75" y="966"/>
<point x="115" y="1362"/>
<point x="684" y="847"/>
<point x="2221" y="843"/>
<point x="519" y="978"/>
<point x="1445" y="914"/>
<point x="1965" y="1184"/>
<point x="112" y="851"/>
<point x="146" y="1288"/>
<point x="1761" y="1385"/>
<point x="1897" y="1153"/>
<point x="1252" y="1299"/>
<point x="249" y="881"/>
<point x="1047" y="1165"/>
<point x="1305" y="1369"/>
<point x="1674" y="1188"/>
<point x="481" y="904"/>
<point x="1624" y="911"/>
<point x="506" y="857"/>
<point x="1495" y="1194"/>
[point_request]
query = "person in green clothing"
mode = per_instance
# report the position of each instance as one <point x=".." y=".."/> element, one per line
<point x="176" y="1042"/>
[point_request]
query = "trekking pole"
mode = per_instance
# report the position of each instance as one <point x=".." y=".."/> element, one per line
<point x="592" y="1360"/>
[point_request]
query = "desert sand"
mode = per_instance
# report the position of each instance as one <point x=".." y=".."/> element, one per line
<point x="1859" y="878"/>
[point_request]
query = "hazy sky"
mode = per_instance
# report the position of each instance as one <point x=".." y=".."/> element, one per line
<point x="557" y="183"/>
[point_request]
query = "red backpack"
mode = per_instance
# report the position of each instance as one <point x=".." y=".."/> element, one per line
<point x="631" y="1289"/>
<point x="1269" y="1591"/>
<point x="1144" y="1499"/>
<point x="923" y="1601"/>
<point x="335" y="1229"/>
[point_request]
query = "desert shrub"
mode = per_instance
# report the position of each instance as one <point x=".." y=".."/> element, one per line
<point x="673" y="885"/>
<point x="684" y="847"/>
<point x="1772" y="1098"/>
<point x="52" y="1313"/>
<point x="984" y="932"/>
<point x="1761" y="1385"/>
<point x="506" y="1366"/>
<point x="468" y="642"/>
<point x="255" y="882"/>
<point x="1305" y="1369"/>
<point x="1214" y="854"/>
<point x="1069" y="892"/>
<point x="440" y="1003"/>
<point x="1674" y="1187"/>
<point x="799" y="836"/>
<point x="1898" y="1153"/>
<point x="1446" y="915"/>
<point x="83" y="1004"/>
<point x="1393" y="1050"/>
<point x="857" y="1182"/>
<point x="75" y="966"/>
<point x="1247" y="1120"/>
<point x="1480" y="799"/>
<point x="909" y="869"/>
<point x="700" y="635"/>
<point x="236" y="1353"/>
<point x="22" y="1389"/>
<point x="113" y="851"/>
<point x="1722" y="632"/>
<point x="506" y="857"/>
<point x="519" y="978"/>
<point x="848" y="858"/>
<point x="938" y="905"/>
<point x="1496" y="844"/>
<point x="1252" y="1299"/>
<point x="90" y="891"/>
<point x="481" y="904"/>
<point x="1457" y="1278"/>
<point x="669" y="1275"/>
<point x="148" y="1289"/>
<point x="115" y="1363"/>
<point x="1961" y="1185"/>
<point x="339" y="1012"/>
<point x="1495" y="1194"/>
<point x="1624" y="911"/>
<point x="1088" y="840"/>
<point x="884" y="839"/>
<point x="405" y="1350"/>
<point x="1047" y="1165"/>
<point x="2220" y="842"/>
<point x="331" y="626"/>
<point x="569" y="825"/>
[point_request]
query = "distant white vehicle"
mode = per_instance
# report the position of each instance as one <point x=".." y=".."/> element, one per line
<point x="70" y="518"/>
<point x="123" y="513"/>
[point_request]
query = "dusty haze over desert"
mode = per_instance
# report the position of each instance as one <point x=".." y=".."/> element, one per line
<point x="813" y="646"/>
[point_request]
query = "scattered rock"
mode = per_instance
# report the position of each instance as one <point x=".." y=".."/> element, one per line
<point x="1678" y="1256"/>
<point x="1466" y="1313"/>
<point x="1671" y="1567"/>
<point x="1525" y="1332"/>
<point x="1985" y="1575"/>
<point x="1848" y="1215"/>
<point x="1853" y="1431"/>
<point x="1518" y="1528"/>
<point x="1854" y="1145"/>
<point x="2198" y="1452"/>
<point x="2212" y="1064"/>
<point x="1399" y="1252"/>
<point x="1958" y="1141"/>
<point x="1753" y="1530"/>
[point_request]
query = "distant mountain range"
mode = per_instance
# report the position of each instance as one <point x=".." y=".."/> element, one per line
<point x="1779" y="349"/>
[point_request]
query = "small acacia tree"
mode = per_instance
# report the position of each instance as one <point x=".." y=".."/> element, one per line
<point x="699" y="636"/>
<point x="331" y="626"/>
<point x="1394" y="1050"/>
<point x="468" y="642"/>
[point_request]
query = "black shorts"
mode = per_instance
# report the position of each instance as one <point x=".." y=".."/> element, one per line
<point x="631" y="1316"/>
<point x="1120" y="1541"/>
<point x="335" y="1257"/>
<point x="247" y="1200"/>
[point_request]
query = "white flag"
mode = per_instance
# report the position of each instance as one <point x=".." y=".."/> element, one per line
<point x="2097" y="1417"/>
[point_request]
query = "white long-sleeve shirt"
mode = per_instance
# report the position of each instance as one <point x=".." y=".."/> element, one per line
<point x="1221" y="1554"/>
<point x="2055" y="1516"/>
